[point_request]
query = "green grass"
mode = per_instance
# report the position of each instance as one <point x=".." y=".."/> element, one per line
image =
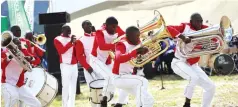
<point x="172" y="96"/>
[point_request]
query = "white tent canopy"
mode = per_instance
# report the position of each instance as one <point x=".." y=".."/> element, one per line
<point x="211" y="10"/>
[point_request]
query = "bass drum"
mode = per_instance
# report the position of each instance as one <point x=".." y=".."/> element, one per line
<point x="43" y="85"/>
<point x="222" y="63"/>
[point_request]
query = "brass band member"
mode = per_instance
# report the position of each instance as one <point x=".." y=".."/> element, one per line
<point x="189" y="68"/>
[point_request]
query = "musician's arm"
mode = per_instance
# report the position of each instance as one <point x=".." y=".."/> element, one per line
<point x="102" y="43"/>
<point x="39" y="51"/>
<point x="120" y="31"/>
<point x="176" y="31"/>
<point x="35" y="60"/>
<point x="4" y="60"/>
<point x="80" y="55"/>
<point x="60" y="48"/>
<point x="121" y="55"/>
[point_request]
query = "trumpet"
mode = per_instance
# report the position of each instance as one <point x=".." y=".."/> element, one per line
<point x="211" y="39"/>
<point x="40" y="39"/>
<point x="7" y="41"/>
<point x="152" y="41"/>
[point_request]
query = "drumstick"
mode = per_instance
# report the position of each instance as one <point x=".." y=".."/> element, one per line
<point x="92" y="77"/>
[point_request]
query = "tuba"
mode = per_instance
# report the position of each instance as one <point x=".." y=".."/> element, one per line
<point x="7" y="41"/>
<point x="40" y="39"/>
<point x="207" y="41"/>
<point x="152" y="41"/>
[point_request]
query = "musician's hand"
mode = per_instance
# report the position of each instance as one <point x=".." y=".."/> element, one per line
<point x="10" y="56"/>
<point x="90" y="70"/>
<point x="73" y="39"/>
<point x="28" y="58"/>
<point x="142" y="50"/>
<point x="187" y="40"/>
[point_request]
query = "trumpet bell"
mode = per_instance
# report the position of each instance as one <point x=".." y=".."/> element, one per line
<point x="41" y="39"/>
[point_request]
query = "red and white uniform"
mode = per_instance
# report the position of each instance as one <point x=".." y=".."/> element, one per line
<point x="189" y="69"/>
<point x="100" y="58"/>
<point x="84" y="48"/>
<point x="123" y="78"/>
<point x="37" y="51"/>
<point x="34" y="50"/>
<point x="69" y="69"/>
<point x="13" y="88"/>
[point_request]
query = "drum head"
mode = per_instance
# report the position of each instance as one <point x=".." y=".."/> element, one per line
<point x="97" y="84"/>
<point x="224" y="64"/>
<point x="35" y="80"/>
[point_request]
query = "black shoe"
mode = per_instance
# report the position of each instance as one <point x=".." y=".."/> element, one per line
<point x="118" y="105"/>
<point x="104" y="101"/>
<point x="186" y="105"/>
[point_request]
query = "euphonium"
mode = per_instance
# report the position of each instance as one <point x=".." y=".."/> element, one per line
<point x="210" y="40"/>
<point x="40" y="39"/>
<point x="7" y="41"/>
<point x="152" y="41"/>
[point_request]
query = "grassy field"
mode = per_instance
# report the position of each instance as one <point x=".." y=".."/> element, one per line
<point x="172" y="96"/>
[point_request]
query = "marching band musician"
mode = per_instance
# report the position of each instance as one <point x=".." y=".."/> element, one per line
<point x="100" y="57"/>
<point x="13" y="87"/>
<point x="83" y="48"/>
<point x="122" y="70"/>
<point x="34" y="49"/>
<point x="16" y="30"/>
<point x="64" y="45"/>
<point x="189" y="68"/>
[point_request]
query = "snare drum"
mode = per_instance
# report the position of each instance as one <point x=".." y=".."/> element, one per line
<point x="43" y="85"/>
<point x="96" y="88"/>
<point x="222" y="63"/>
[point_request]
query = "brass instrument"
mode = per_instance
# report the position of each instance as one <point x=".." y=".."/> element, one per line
<point x="40" y="39"/>
<point x="205" y="39"/>
<point x="152" y="42"/>
<point x="7" y="41"/>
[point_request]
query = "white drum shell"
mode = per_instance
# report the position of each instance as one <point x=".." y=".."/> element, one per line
<point x="42" y="84"/>
<point x="96" y="89"/>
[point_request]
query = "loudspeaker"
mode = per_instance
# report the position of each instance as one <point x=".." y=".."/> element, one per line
<point x="54" y="18"/>
<point x="51" y="31"/>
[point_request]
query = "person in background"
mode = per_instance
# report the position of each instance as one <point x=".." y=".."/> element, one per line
<point x="167" y="57"/>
